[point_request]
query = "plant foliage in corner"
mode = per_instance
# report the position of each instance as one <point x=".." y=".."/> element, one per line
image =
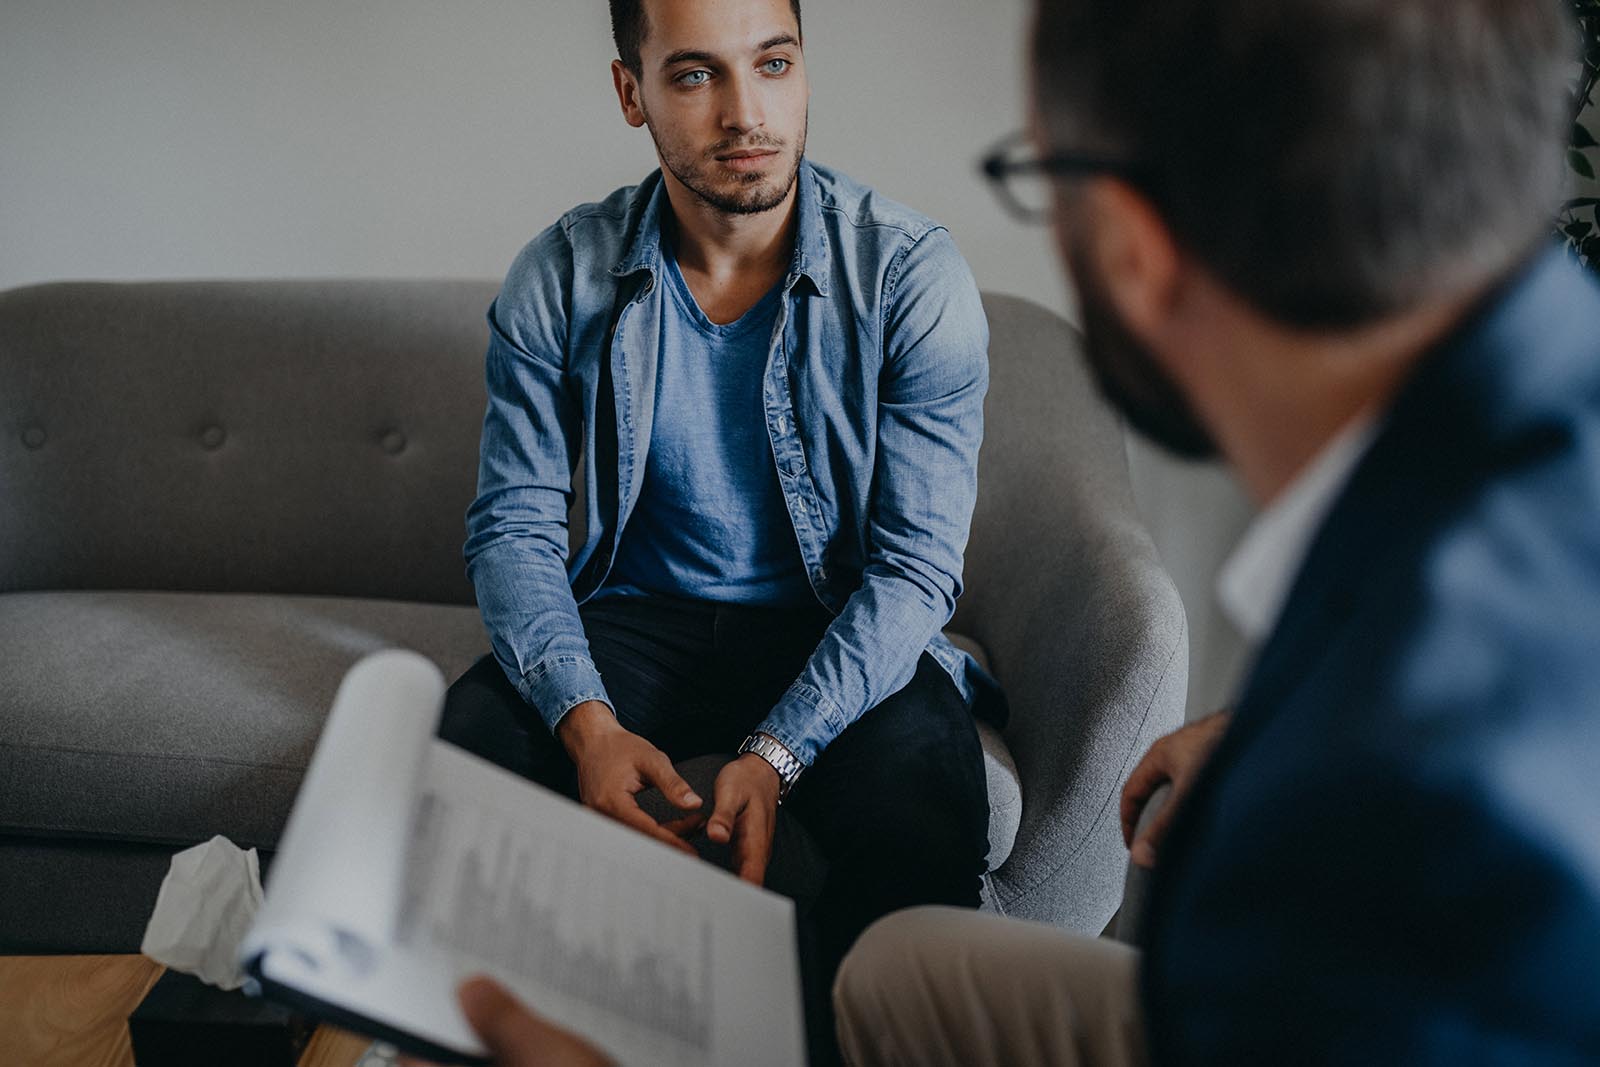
<point x="1578" y="222"/>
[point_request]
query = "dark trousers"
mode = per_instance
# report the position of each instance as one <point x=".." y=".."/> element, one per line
<point x="897" y="803"/>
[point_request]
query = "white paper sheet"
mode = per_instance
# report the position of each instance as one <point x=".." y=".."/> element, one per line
<point x="408" y="865"/>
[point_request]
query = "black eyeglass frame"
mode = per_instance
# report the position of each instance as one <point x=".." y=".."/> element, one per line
<point x="997" y="168"/>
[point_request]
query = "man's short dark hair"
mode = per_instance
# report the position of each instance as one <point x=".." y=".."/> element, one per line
<point x="1331" y="161"/>
<point x="629" y="28"/>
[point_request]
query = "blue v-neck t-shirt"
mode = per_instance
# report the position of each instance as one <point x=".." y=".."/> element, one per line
<point x="710" y="523"/>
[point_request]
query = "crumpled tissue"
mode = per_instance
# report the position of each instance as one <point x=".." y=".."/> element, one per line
<point x="209" y="898"/>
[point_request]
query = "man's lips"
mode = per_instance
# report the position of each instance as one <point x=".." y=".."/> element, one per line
<point x="748" y="158"/>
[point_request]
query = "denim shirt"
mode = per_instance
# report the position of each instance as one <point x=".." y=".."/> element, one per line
<point x="873" y="402"/>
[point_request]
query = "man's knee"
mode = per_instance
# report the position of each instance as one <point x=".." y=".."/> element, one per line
<point x="485" y="715"/>
<point x="933" y="807"/>
<point x="875" y="963"/>
<point x="883" y="990"/>
<point x="477" y="714"/>
<point x="882" y="953"/>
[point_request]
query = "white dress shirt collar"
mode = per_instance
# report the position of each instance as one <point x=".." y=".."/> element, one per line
<point x="1254" y="583"/>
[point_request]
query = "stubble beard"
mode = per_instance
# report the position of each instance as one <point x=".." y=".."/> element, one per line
<point x="1129" y="375"/>
<point x="753" y="194"/>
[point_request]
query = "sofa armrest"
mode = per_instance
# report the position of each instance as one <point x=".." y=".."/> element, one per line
<point x="1130" y="917"/>
<point x="1092" y="651"/>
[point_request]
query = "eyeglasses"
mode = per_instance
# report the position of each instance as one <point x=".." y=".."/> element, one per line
<point x="1023" y="182"/>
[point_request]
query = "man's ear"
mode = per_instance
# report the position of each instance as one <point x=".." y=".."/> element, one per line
<point x="627" y="93"/>
<point x="1136" y="256"/>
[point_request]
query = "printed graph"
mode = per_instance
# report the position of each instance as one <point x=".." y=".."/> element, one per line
<point x="613" y="937"/>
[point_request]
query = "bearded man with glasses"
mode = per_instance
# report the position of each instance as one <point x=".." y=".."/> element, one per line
<point x="1313" y="237"/>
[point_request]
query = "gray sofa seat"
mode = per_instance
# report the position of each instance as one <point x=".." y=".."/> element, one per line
<point x="219" y="495"/>
<point x="169" y="717"/>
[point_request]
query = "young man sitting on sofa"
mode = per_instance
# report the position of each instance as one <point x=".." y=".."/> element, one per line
<point x="774" y="378"/>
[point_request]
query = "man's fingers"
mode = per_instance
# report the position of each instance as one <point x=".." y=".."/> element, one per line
<point x="515" y="1036"/>
<point x="753" y="847"/>
<point x="509" y="1030"/>
<point x="629" y="813"/>
<point x="686" y="826"/>
<point x="729" y="803"/>
<point x="1142" y="850"/>
<point x="659" y="772"/>
<point x="1146" y="778"/>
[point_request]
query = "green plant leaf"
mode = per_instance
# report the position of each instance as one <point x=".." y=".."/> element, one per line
<point x="1580" y="201"/>
<point x="1578" y="163"/>
<point x="1577" y="230"/>
<point x="1581" y="137"/>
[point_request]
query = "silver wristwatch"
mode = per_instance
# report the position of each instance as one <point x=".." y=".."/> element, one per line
<point x="783" y="761"/>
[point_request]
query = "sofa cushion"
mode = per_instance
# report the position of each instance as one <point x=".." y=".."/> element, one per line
<point x="169" y="717"/>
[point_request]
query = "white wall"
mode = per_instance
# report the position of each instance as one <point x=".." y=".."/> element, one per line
<point x="236" y="138"/>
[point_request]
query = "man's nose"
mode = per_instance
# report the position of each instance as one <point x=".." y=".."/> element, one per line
<point x="742" y="110"/>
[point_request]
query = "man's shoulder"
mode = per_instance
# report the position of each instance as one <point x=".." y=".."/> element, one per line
<point x="578" y="251"/>
<point x="847" y="202"/>
<point x="596" y="231"/>
<point x="1477" y="505"/>
<point x="1507" y="585"/>
<point x="1472" y="625"/>
<point x="617" y="212"/>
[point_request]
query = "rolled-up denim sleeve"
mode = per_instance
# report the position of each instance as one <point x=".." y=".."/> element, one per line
<point x="930" y="425"/>
<point x="516" y="547"/>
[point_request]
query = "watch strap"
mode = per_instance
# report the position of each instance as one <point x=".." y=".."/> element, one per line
<point x="777" y="754"/>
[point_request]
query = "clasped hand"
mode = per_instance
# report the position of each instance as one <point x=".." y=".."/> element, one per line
<point x="615" y="765"/>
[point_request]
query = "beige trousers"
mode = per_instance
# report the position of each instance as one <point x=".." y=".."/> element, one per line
<point x="935" y="986"/>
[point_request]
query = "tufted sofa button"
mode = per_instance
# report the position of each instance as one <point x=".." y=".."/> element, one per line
<point x="33" y="437"/>
<point x="394" y="442"/>
<point x="211" y="437"/>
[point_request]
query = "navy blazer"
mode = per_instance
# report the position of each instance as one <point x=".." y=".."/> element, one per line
<point x="1394" y="854"/>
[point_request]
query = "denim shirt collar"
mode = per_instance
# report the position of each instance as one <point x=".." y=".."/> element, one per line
<point x="812" y="254"/>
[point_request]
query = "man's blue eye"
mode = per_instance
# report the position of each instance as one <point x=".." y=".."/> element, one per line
<point x="694" y="77"/>
<point x="776" y="66"/>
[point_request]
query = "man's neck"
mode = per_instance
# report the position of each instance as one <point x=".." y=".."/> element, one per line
<point x="716" y="243"/>
<point x="1279" y="397"/>
<point x="730" y="261"/>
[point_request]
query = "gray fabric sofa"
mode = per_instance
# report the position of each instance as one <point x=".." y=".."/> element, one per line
<point x="215" y="497"/>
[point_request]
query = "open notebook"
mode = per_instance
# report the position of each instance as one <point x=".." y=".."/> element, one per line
<point x="408" y="864"/>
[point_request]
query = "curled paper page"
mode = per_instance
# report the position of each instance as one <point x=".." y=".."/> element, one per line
<point x="335" y="885"/>
<point x="324" y="940"/>
<point x="209" y="898"/>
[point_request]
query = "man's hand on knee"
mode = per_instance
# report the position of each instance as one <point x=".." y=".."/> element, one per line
<point x="615" y="765"/>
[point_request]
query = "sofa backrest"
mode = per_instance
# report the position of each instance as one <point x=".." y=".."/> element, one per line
<point x="321" y="437"/>
<point x="315" y="437"/>
<point x="1051" y="446"/>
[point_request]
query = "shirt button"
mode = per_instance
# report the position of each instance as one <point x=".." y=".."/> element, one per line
<point x="783" y="424"/>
